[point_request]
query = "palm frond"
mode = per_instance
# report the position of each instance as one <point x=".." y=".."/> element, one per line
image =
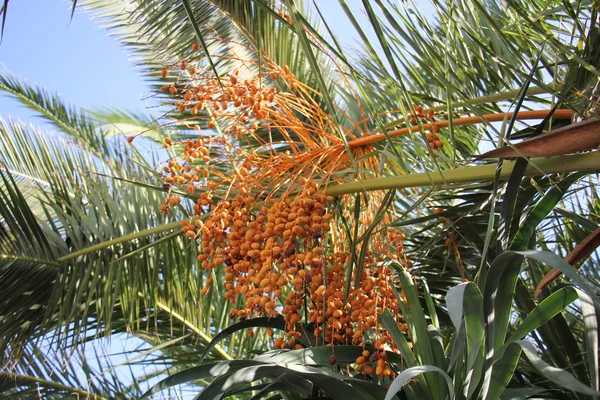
<point x="76" y="124"/>
<point x="113" y="122"/>
<point x="81" y="202"/>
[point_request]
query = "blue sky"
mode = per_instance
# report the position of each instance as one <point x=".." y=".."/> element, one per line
<point x="77" y="59"/>
<point x="74" y="58"/>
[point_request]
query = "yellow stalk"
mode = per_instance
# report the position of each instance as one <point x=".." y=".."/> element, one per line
<point x="578" y="162"/>
<point x="205" y="338"/>
<point x="30" y="381"/>
<point x="123" y="239"/>
<point x="538" y="166"/>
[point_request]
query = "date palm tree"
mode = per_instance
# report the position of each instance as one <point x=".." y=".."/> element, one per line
<point x="87" y="259"/>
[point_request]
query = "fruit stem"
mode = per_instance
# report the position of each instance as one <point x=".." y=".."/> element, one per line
<point x="523" y="115"/>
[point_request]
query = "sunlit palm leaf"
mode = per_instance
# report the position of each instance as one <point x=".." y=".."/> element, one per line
<point x="69" y="120"/>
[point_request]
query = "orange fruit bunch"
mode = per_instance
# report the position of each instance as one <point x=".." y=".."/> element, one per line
<point x="266" y="221"/>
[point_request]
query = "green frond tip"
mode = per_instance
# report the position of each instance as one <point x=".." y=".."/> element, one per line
<point x="73" y="9"/>
<point x="3" y="11"/>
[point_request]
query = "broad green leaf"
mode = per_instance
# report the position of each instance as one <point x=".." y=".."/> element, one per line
<point x="398" y="337"/>
<point x="430" y="306"/>
<point x="418" y="329"/>
<point x="555" y="261"/>
<point x="498" y="296"/>
<point x="503" y="371"/>
<point x="260" y="322"/>
<point x="437" y="347"/>
<point x="201" y="372"/>
<point x="541" y="210"/>
<point x="547" y="309"/>
<point x="337" y="386"/>
<point x="590" y="324"/>
<point x="520" y="393"/>
<point x="465" y="301"/>
<point x="557" y="375"/>
<point x="344" y="355"/>
<point x="412" y="372"/>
